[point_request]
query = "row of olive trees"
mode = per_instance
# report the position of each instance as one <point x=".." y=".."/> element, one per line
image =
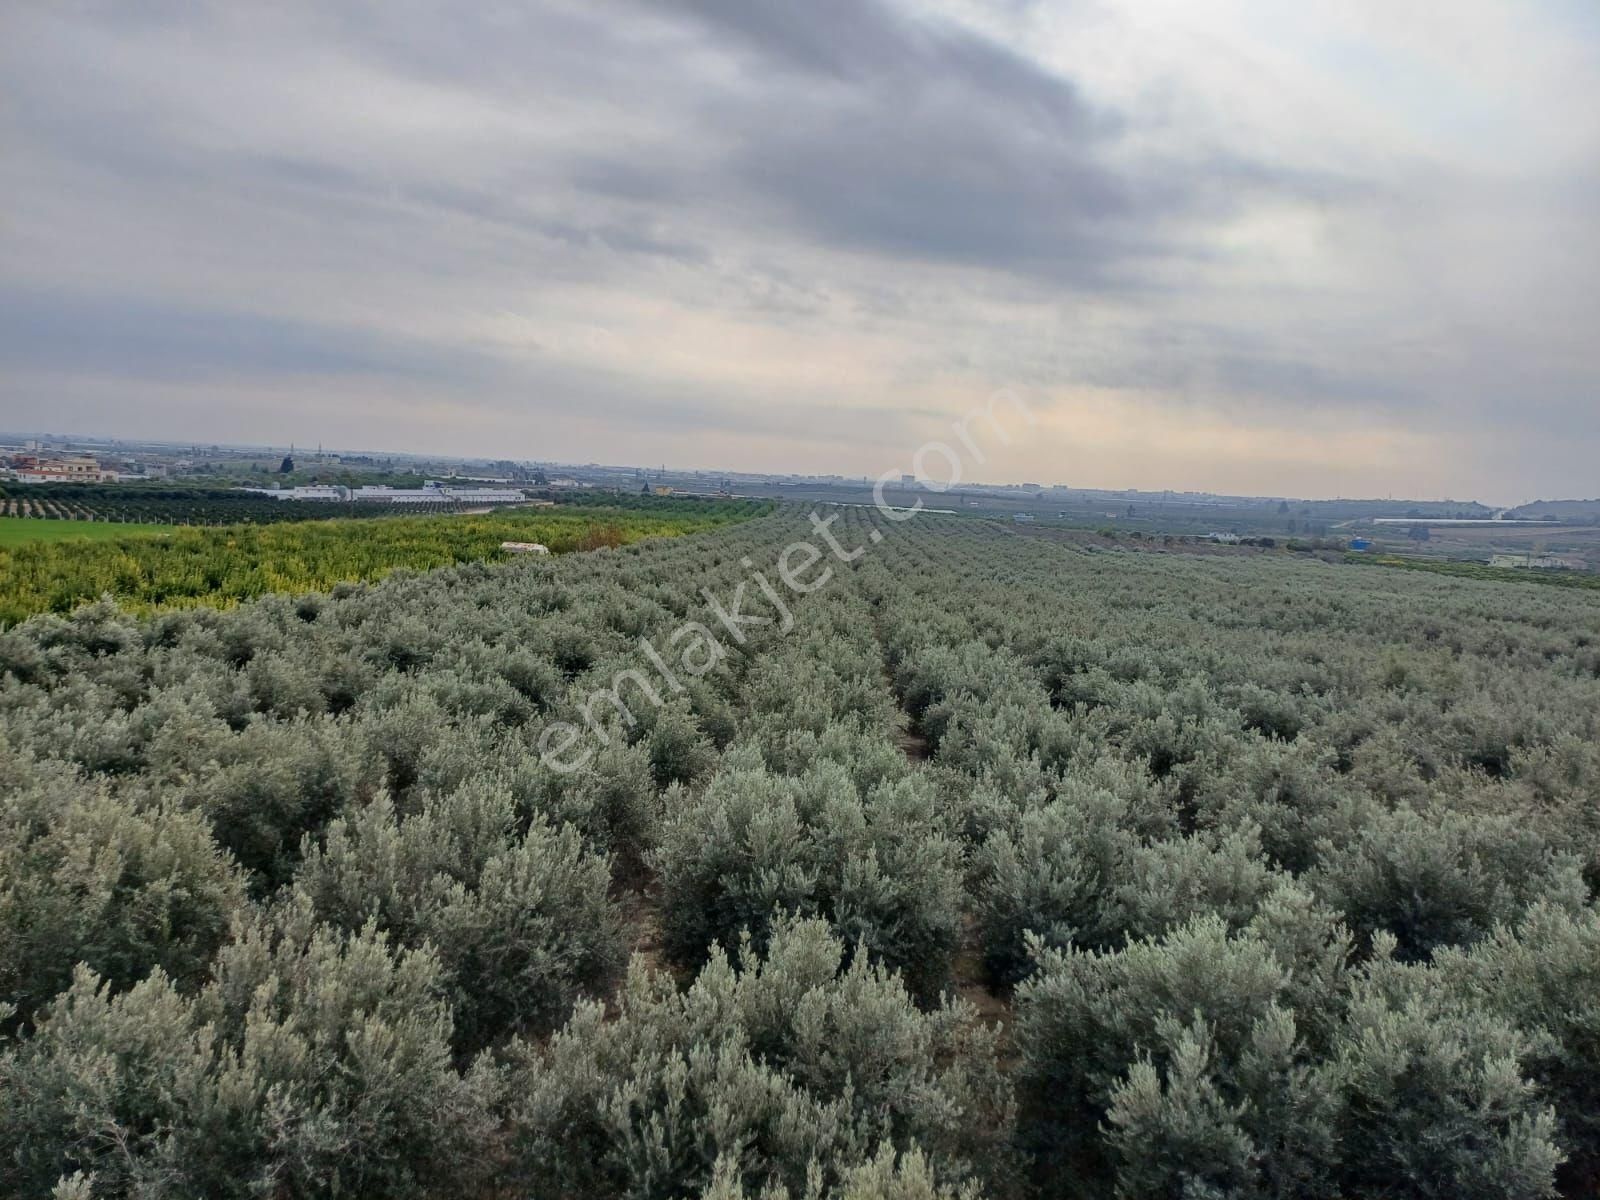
<point x="1284" y="870"/>
<point x="1135" y="746"/>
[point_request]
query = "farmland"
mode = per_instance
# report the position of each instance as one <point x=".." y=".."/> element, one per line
<point x="20" y="531"/>
<point x="172" y="505"/>
<point x="1474" y="570"/>
<point x="966" y="864"/>
<point x="221" y="566"/>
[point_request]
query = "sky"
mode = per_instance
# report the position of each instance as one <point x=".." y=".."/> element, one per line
<point x="1344" y="249"/>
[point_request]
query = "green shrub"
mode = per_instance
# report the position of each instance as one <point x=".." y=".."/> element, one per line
<point x="1190" y="1054"/>
<point x="1434" y="1101"/>
<point x="520" y="921"/>
<point x="1259" y="1127"/>
<point x="87" y="878"/>
<point x="1087" y="1018"/>
<point x="1543" y="975"/>
<point x="622" y="806"/>
<point x="317" y="1064"/>
<point x="888" y="1176"/>
<point x="262" y="791"/>
<point x="755" y="846"/>
<point x="1440" y="878"/>
<point x="1077" y="872"/>
<point x="777" y="1066"/>
<point x="679" y="751"/>
<point x="1290" y="793"/>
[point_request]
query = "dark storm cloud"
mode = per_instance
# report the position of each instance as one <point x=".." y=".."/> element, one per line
<point x="927" y="142"/>
<point x="850" y="124"/>
<point x="866" y="41"/>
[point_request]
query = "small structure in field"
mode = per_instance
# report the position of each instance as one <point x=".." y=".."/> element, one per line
<point x="524" y="548"/>
<point x="1536" y="562"/>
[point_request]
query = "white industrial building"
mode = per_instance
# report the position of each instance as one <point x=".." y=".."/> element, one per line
<point x="320" y="491"/>
<point x="389" y="495"/>
<point x="431" y="493"/>
<point x="435" y="493"/>
<point x="485" y="495"/>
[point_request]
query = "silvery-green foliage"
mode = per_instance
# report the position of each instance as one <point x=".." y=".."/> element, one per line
<point x="263" y="789"/>
<point x="1435" y="1100"/>
<point x="519" y="918"/>
<point x="1233" y="1018"/>
<point x="77" y="1186"/>
<point x="887" y="1176"/>
<point x="1077" y="871"/>
<point x="680" y="752"/>
<point x="755" y="846"/>
<point x="1128" y="753"/>
<point x="1258" y="1129"/>
<point x="1087" y="1017"/>
<point x="105" y="1085"/>
<point x="621" y="805"/>
<point x="1440" y="878"/>
<point x="790" y="1064"/>
<point x="316" y="1063"/>
<point x="1047" y="877"/>
<point x="1168" y="882"/>
<point x="87" y="878"/>
<point x="1543" y="974"/>
<point x="860" y="748"/>
<point x="1291" y="794"/>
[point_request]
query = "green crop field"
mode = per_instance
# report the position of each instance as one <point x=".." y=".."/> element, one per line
<point x="22" y="531"/>
<point x="1473" y="570"/>
<point x="219" y="566"/>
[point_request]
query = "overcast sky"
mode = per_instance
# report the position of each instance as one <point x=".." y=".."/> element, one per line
<point x="1235" y="245"/>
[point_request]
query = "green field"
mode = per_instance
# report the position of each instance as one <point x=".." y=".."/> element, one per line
<point x="220" y="566"/>
<point x="21" y="531"/>
<point x="1472" y="570"/>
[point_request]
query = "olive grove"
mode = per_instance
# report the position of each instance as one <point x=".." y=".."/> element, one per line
<point x="976" y="866"/>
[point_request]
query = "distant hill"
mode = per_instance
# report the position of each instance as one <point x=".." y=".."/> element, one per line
<point x="1577" y="512"/>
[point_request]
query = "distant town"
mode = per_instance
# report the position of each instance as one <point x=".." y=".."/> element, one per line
<point x="1557" y="535"/>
